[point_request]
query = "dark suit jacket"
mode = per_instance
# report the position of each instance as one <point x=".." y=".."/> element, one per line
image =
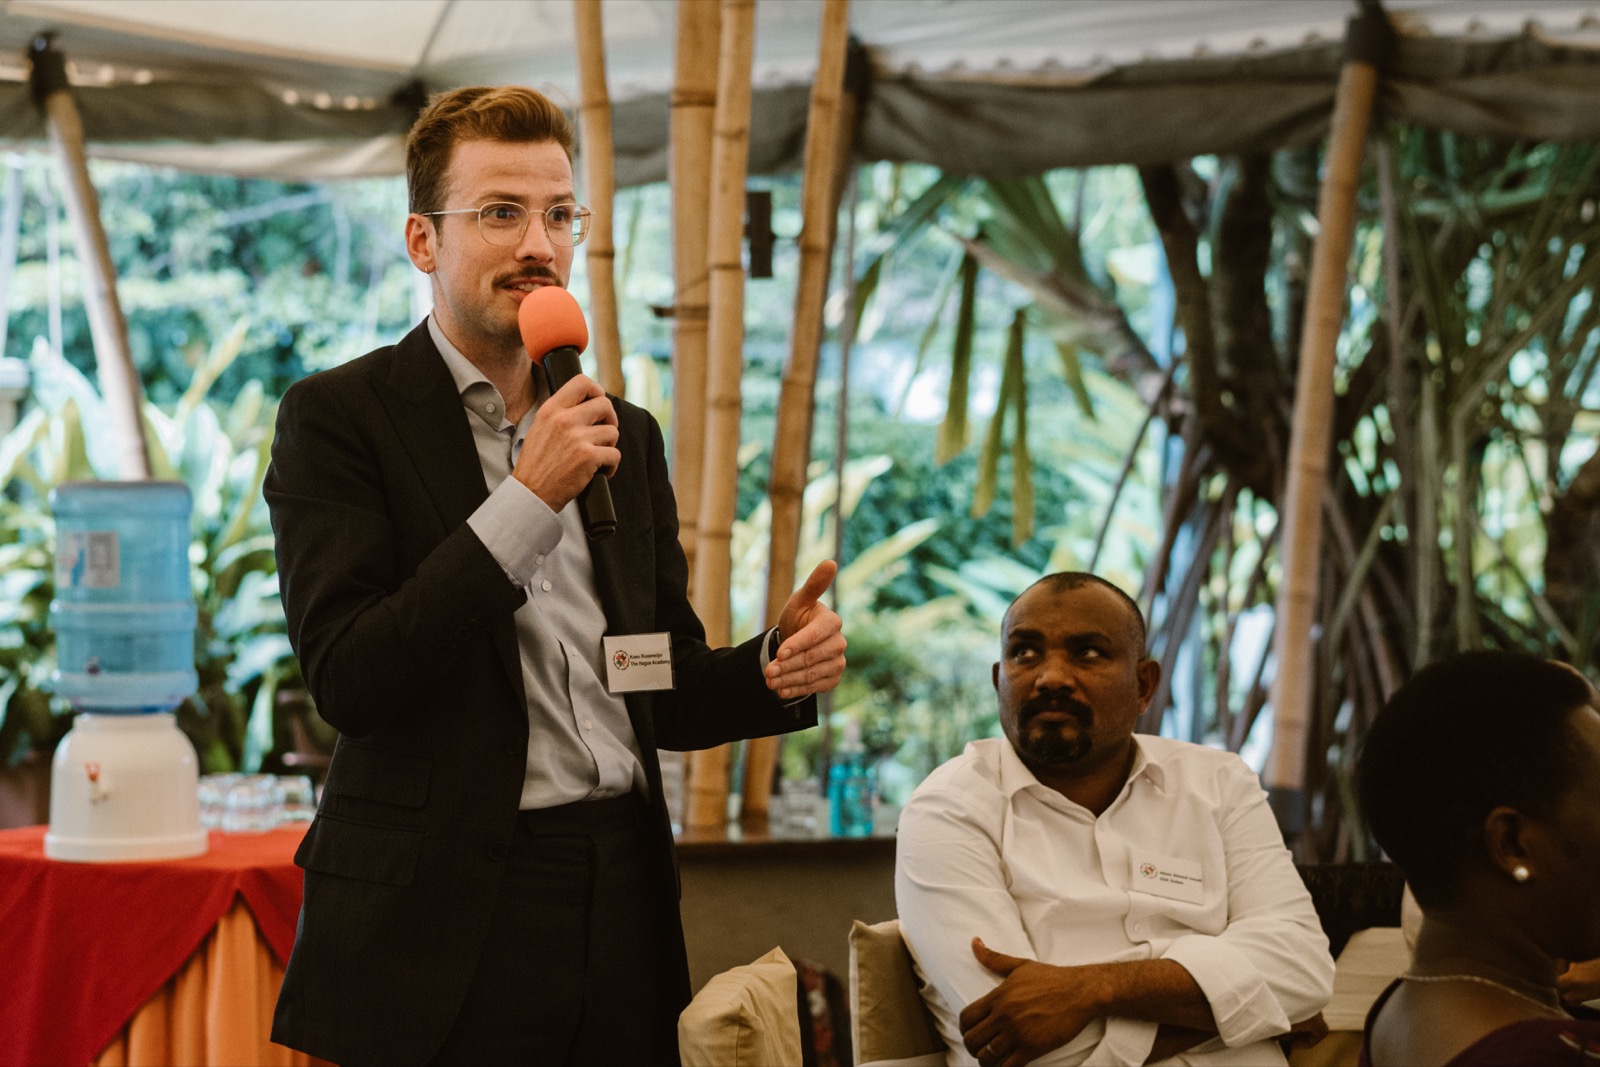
<point x="402" y="621"/>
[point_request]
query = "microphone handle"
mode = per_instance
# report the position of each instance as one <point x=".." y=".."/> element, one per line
<point x="594" y="500"/>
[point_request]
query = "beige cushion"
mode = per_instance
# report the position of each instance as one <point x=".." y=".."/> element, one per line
<point x="1371" y="959"/>
<point x="745" y="1017"/>
<point x="888" y="1022"/>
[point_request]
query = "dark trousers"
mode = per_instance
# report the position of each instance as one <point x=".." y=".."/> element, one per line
<point x="578" y="965"/>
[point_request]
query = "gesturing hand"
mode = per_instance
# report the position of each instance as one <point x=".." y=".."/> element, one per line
<point x="810" y="656"/>
<point x="1037" y="1007"/>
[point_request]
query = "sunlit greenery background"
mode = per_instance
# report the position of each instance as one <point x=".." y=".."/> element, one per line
<point x="1027" y="392"/>
<point x="235" y="288"/>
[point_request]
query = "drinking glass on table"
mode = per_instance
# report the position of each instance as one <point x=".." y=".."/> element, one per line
<point x="213" y="795"/>
<point x="800" y="799"/>
<point x="251" y="805"/>
<point x="299" y="799"/>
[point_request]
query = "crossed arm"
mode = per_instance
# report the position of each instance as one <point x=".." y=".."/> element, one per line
<point x="1038" y="1007"/>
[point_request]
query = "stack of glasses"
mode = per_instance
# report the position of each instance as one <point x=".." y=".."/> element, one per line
<point x="254" y="803"/>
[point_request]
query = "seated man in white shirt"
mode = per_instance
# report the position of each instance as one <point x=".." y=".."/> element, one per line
<point x="1073" y="894"/>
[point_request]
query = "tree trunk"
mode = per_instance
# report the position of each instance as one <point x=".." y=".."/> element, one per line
<point x="708" y="781"/>
<point x="1572" y="558"/>
<point x="599" y="180"/>
<point x="828" y="128"/>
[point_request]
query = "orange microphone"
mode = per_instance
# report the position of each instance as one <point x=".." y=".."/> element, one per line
<point x="554" y="332"/>
<point x="550" y="318"/>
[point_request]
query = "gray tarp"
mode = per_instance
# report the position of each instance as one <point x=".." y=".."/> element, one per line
<point x="1510" y="70"/>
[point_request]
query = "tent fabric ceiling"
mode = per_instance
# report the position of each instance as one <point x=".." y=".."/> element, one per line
<point x="307" y="88"/>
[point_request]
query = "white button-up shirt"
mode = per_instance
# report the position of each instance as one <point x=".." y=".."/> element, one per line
<point x="985" y="850"/>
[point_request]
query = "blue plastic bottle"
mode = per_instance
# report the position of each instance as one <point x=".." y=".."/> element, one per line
<point x="850" y="787"/>
<point x="124" y="611"/>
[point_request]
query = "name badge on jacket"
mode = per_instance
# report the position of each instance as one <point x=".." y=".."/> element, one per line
<point x="637" y="662"/>
<point x="1168" y="876"/>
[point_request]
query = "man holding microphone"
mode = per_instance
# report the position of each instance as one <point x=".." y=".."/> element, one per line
<point x="491" y="875"/>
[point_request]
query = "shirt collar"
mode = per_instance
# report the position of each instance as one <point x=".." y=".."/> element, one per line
<point x="1147" y="765"/>
<point x="478" y="394"/>
<point x="1015" y="776"/>
<point x="461" y="368"/>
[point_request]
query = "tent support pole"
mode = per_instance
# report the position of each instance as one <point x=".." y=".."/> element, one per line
<point x="709" y="768"/>
<point x="119" y="380"/>
<point x="1367" y="40"/>
<point x="692" y="113"/>
<point x="600" y="185"/>
<point x="829" y="135"/>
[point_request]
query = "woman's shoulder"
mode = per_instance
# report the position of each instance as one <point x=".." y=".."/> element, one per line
<point x="1524" y="1043"/>
<point x="1434" y="1023"/>
<point x="1536" y="1043"/>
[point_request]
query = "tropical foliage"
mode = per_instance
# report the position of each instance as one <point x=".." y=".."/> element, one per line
<point x="220" y="452"/>
<point x="1088" y="370"/>
<point x="1465" y="505"/>
<point x="319" y="270"/>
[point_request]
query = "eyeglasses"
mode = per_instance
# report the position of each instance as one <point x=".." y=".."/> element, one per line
<point x="503" y="223"/>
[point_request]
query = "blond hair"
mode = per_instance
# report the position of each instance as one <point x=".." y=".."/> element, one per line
<point x="475" y="113"/>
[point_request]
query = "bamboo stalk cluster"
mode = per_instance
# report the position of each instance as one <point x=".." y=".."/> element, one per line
<point x="708" y="476"/>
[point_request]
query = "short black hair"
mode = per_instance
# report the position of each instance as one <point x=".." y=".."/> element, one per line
<point x="1461" y="737"/>
<point x="1064" y="581"/>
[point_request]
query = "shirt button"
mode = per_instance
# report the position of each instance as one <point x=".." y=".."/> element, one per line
<point x="588" y="724"/>
<point x="545" y="585"/>
<point x="538" y="560"/>
<point x="489" y="408"/>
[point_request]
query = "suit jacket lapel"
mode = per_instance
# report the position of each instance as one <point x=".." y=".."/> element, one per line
<point x="433" y="429"/>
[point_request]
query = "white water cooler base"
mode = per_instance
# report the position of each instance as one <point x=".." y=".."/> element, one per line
<point x="124" y="787"/>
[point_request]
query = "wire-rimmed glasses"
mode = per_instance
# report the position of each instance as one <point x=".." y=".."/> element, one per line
<point x="504" y="223"/>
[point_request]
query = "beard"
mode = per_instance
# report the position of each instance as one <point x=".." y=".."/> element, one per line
<point x="1046" y="743"/>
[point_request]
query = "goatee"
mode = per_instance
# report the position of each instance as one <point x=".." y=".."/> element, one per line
<point x="1045" y="743"/>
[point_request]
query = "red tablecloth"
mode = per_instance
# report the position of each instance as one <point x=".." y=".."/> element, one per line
<point x="83" y="945"/>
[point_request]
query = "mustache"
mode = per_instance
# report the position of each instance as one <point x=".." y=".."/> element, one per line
<point x="1055" y="702"/>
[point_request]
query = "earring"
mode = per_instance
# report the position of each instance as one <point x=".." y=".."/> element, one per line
<point x="1520" y="873"/>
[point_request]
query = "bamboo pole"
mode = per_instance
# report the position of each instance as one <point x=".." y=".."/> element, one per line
<point x="708" y="777"/>
<point x="692" y="111"/>
<point x="828" y="135"/>
<point x="694" y="98"/>
<point x="119" y="380"/>
<point x="600" y="185"/>
<point x="1285" y="773"/>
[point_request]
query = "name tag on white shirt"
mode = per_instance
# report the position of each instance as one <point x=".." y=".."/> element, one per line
<point x="637" y="662"/>
<point x="1168" y="876"/>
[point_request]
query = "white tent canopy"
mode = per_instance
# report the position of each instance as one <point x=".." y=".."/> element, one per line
<point x="324" y="88"/>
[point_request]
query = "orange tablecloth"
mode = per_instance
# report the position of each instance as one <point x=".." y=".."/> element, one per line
<point x="86" y="946"/>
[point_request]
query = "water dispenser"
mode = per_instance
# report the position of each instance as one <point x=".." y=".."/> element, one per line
<point x="124" y="780"/>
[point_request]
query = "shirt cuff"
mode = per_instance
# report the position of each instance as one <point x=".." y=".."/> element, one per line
<point x="517" y="528"/>
<point x="1242" y="1004"/>
<point x="769" y="648"/>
